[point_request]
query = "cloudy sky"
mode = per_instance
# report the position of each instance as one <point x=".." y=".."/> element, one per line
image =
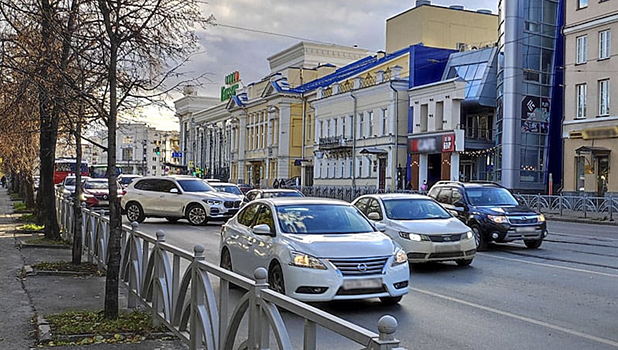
<point x="343" y="22"/>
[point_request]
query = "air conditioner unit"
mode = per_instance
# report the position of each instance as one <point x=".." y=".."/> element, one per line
<point x="461" y="47"/>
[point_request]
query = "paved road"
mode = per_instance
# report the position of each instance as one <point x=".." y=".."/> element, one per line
<point x="561" y="296"/>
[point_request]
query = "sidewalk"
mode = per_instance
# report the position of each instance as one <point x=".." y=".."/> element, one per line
<point x="45" y="294"/>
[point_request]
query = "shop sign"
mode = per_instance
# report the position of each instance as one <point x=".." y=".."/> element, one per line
<point x="432" y="144"/>
<point x="600" y="133"/>
<point x="231" y="85"/>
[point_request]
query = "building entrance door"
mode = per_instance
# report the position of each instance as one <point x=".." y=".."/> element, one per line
<point x="602" y="174"/>
<point x="381" y="173"/>
<point x="434" y="169"/>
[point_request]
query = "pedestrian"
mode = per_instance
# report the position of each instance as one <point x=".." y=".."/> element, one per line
<point x="3" y="180"/>
<point x="276" y="184"/>
<point x="424" y="186"/>
<point x="409" y="186"/>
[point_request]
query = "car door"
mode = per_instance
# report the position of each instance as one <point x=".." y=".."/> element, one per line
<point x="458" y="205"/>
<point x="170" y="204"/>
<point x="262" y="247"/>
<point x="144" y="192"/>
<point x="240" y="240"/>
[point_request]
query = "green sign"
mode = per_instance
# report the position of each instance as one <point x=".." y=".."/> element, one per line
<point x="231" y="85"/>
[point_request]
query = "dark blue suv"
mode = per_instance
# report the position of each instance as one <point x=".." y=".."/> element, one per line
<point x="492" y="213"/>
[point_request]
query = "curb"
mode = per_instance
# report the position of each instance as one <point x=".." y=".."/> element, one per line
<point x="30" y="271"/>
<point x="45" y="246"/>
<point x="582" y="221"/>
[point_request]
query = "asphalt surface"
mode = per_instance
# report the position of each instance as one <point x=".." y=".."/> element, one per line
<point x="561" y="296"/>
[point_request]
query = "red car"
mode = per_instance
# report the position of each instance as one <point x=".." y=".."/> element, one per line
<point x="95" y="193"/>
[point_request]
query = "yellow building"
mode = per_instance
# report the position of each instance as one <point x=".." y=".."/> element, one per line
<point x="441" y="27"/>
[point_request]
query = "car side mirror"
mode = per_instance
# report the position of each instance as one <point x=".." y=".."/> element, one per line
<point x="174" y="190"/>
<point x="262" y="230"/>
<point x="374" y="216"/>
<point x="459" y="204"/>
<point x="380" y="226"/>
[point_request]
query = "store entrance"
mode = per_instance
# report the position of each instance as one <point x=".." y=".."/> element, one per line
<point x="602" y="175"/>
<point x="434" y="168"/>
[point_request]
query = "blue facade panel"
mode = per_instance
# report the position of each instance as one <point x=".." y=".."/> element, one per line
<point x="427" y="64"/>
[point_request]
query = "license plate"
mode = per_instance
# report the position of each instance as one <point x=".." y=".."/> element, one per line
<point x="443" y="248"/>
<point x="525" y="229"/>
<point x="362" y="283"/>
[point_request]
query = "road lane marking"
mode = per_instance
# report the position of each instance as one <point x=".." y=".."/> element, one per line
<point x="549" y="265"/>
<point x="582" y="236"/>
<point x="520" y="318"/>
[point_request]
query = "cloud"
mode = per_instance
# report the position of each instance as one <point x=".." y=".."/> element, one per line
<point x="344" y="22"/>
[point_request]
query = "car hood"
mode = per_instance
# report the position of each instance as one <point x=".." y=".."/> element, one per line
<point x="342" y="245"/>
<point x="430" y="227"/>
<point x="508" y="210"/>
<point x="216" y="195"/>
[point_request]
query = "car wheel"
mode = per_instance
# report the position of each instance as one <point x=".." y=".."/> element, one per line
<point x="275" y="278"/>
<point x="135" y="213"/>
<point x="390" y="300"/>
<point x="479" y="238"/>
<point x="226" y="263"/>
<point x="464" y="262"/>
<point x="170" y="219"/>
<point x="533" y="244"/>
<point x="196" y="215"/>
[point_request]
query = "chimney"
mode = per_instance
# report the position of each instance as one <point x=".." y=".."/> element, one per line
<point x="420" y="3"/>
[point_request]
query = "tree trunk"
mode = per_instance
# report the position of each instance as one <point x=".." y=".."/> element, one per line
<point x="115" y="219"/>
<point x="29" y="190"/>
<point x="77" y="228"/>
<point x="48" y="134"/>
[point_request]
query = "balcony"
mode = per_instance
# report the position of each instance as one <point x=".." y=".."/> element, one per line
<point x="332" y="143"/>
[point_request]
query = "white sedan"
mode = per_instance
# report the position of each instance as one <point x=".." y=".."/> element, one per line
<point x="421" y="226"/>
<point x="315" y="250"/>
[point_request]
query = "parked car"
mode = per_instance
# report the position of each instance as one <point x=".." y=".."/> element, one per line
<point x="315" y="250"/>
<point x="274" y="193"/>
<point x="492" y="213"/>
<point x="95" y="192"/>
<point x="67" y="186"/>
<point x="126" y="179"/>
<point x="245" y="188"/>
<point x="425" y="230"/>
<point x="229" y="188"/>
<point x="177" y="197"/>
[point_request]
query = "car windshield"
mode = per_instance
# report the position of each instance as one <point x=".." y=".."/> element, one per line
<point x="127" y="180"/>
<point x="491" y="196"/>
<point x="195" y="186"/>
<point x="69" y="181"/>
<point x="228" y="189"/>
<point x="322" y="219"/>
<point x="282" y="194"/>
<point x="95" y="185"/>
<point x="414" y="209"/>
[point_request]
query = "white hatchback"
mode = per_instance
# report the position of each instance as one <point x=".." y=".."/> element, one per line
<point x="315" y="250"/>
<point x="421" y="226"/>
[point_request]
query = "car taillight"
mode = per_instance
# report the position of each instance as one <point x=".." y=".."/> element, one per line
<point x="124" y="192"/>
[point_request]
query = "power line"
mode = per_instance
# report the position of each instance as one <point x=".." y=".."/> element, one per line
<point x="258" y="31"/>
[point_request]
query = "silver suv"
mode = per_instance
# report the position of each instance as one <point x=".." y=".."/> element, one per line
<point x="177" y="197"/>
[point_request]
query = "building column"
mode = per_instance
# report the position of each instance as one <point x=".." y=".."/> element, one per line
<point x="455" y="166"/>
<point x="422" y="169"/>
<point x="285" y="120"/>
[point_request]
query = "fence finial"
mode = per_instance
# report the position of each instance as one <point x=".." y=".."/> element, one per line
<point x="160" y="236"/>
<point x="198" y="252"/>
<point x="260" y="274"/>
<point x="134" y="225"/>
<point x="387" y="326"/>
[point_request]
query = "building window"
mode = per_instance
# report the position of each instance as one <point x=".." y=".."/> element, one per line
<point x="582" y="48"/>
<point x="335" y="133"/>
<point x="582" y="4"/>
<point x="384" y="122"/>
<point x="604" y="97"/>
<point x="351" y="124"/>
<point x="127" y="154"/>
<point x="360" y="167"/>
<point x="580" y="176"/>
<point x="361" y="121"/>
<point x="370" y="121"/>
<point x="605" y="39"/>
<point x="581" y="91"/>
<point x="343" y="127"/>
<point x="320" y="129"/>
<point x="154" y="159"/>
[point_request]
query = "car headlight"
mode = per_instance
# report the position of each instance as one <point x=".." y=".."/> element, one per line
<point x="213" y="201"/>
<point x="399" y="257"/>
<point x="307" y="261"/>
<point x="413" y="236"/>
<point x="541" y="218"/>
<point x="468" y="235"/>
<point x="499" y="219"/>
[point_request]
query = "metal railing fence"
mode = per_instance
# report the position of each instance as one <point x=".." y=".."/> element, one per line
<point x="177" y="286"/>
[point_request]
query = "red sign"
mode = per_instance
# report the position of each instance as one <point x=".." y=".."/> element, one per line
<point x="432" y="144"/>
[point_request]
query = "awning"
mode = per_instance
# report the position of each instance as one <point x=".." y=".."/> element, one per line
<point x="374" y="150"/>
<point x="593" y="150"/>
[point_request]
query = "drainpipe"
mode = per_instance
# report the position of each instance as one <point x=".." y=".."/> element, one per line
<point x="353" y="145"/>
<point x="304" y="133"/>
<point x="396" y="133"/>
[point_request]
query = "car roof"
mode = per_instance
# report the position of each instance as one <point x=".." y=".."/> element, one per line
<point x="275" y="190"/>
<point x="468" y="184"/>
<point x="282" y="201"/>
<point x="102" y="179"/>
<point x="129" y="175"/>
<point x="385" y="196"/>
<point x="215" y="184"/>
